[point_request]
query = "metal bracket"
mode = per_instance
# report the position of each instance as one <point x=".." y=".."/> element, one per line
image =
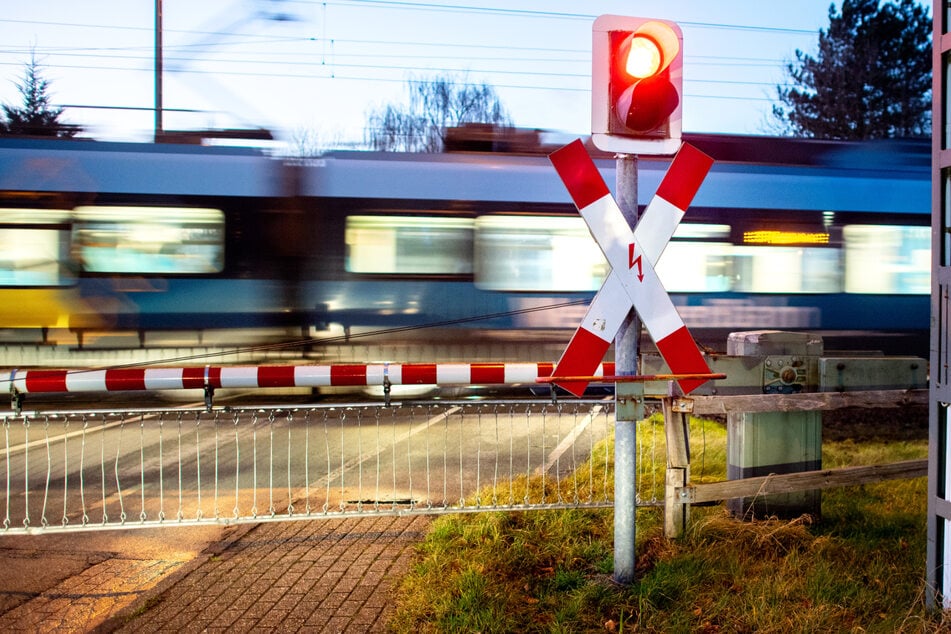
<point x="16" y="401"/>
<point x="209" y="390"/>
<point x="629" y="397"/>
<point x="16" y="397"/>
<point x="681" y="405"/>
<point x="677" y="430"/>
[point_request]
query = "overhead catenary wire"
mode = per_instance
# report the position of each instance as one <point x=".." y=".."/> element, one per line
<point x="346" y="67"/>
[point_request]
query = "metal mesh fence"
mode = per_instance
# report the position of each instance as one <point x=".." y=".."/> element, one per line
<point x="111" y="469"/>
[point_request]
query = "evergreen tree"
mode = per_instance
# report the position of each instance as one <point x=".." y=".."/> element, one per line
<point x="36" y="117"/>
<point x="871" y="77"/>
<point x="435" y="104"/>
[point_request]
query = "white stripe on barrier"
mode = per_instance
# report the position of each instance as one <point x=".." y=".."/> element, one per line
<point x="92" y="381"/>
<point x="394" y="372"/>
<point x="239" y="377"/>
<point x="453" y="373"/>
<point x="312" y="376"/>
<point x="521" y="372"/>
<point x="375" y="374"/>
<point x="163" y="379"/>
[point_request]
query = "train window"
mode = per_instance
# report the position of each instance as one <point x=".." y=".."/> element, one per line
<point x="786" y="269"/>
<point x="696" y="267"/>
<point x="34" y="247"/>
<point x="887" y="259"/>
<point x="537" y="253"/>
<point x="701" y="231"/>
<point x="155" y="240"/>
<point x="409" y="245"/>
<point x="697" y="260"/>
<point x="702" y="258"/>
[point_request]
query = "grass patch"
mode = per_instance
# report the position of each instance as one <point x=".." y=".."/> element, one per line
<point x="860" y="569"/>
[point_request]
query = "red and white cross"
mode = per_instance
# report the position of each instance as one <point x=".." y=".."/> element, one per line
<point x="632" y="254"/>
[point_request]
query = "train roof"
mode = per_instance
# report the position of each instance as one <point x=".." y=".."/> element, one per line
<point x="85" y="166"/>
<point x="749" y="173"/>
<point x="913" y="155"/>
<point x="910" y="153"/>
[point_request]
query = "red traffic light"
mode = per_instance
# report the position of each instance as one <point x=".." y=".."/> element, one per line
<point x="644" y="97"/>
<point x="637" y="84"/>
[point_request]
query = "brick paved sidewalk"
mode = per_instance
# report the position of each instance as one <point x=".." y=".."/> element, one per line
<point x="315" y="576"/>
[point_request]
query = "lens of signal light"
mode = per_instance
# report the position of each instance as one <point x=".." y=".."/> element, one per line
<point x="644" y="58"/>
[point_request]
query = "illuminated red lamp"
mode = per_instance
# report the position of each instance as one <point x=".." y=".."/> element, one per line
<point x="637" y="85"/>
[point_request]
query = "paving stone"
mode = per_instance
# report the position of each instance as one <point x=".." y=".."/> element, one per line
<point x="319" y="575"/>
<point x="314" y="576"/>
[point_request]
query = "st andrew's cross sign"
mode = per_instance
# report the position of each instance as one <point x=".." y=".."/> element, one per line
<point x="632" y="254"/>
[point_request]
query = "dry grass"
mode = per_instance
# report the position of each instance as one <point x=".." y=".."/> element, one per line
<point x="861" y="569"/>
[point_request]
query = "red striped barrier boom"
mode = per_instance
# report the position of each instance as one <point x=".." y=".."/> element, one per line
<point x="337" y="375"/>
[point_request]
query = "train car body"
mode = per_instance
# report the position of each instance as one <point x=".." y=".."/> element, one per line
<point x="100" y="237"/>
<point x="138" y="236"/>
<point x="821" y="236"/>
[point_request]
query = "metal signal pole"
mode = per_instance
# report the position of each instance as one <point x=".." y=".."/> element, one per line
<point x="629" y="398"/>
<point x="158" y="69"/>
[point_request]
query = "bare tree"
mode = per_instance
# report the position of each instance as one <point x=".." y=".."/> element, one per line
<point x="309" y="142"/>
<point x="36" y="117"/>
<point x="435" y="104"/>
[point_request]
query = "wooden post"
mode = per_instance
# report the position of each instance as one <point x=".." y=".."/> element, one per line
<point x="676" y="429"/>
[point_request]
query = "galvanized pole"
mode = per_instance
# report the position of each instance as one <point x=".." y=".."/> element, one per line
<point x="158" y="69"/>
<point x="628" y="401"/>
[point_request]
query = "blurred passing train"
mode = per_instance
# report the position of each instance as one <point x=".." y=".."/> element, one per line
<point x="786" y="234"/>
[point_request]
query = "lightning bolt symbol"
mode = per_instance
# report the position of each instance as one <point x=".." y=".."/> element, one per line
<point x="632" y="262"/>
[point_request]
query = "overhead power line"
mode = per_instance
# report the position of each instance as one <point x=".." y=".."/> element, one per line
<point x="536" y="13"/>
<point x="347" y="59"/>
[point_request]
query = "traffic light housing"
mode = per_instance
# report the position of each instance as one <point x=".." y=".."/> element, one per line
<point x="637" y="85"/>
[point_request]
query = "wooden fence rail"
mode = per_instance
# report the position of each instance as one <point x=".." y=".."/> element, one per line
<point x="679" y="493"/>
<point x="803" y="481"/>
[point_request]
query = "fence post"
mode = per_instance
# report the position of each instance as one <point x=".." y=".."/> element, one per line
<point x="676" y="420"/>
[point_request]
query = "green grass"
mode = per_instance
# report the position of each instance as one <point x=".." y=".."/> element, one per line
<point x="860" y="569"/>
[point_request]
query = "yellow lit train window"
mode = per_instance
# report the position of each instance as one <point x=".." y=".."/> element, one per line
<point x="154" y="240"/>
<point x="537" y="253"/>
<point x="409" y="245"/>
<point x="34" y="247"/>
